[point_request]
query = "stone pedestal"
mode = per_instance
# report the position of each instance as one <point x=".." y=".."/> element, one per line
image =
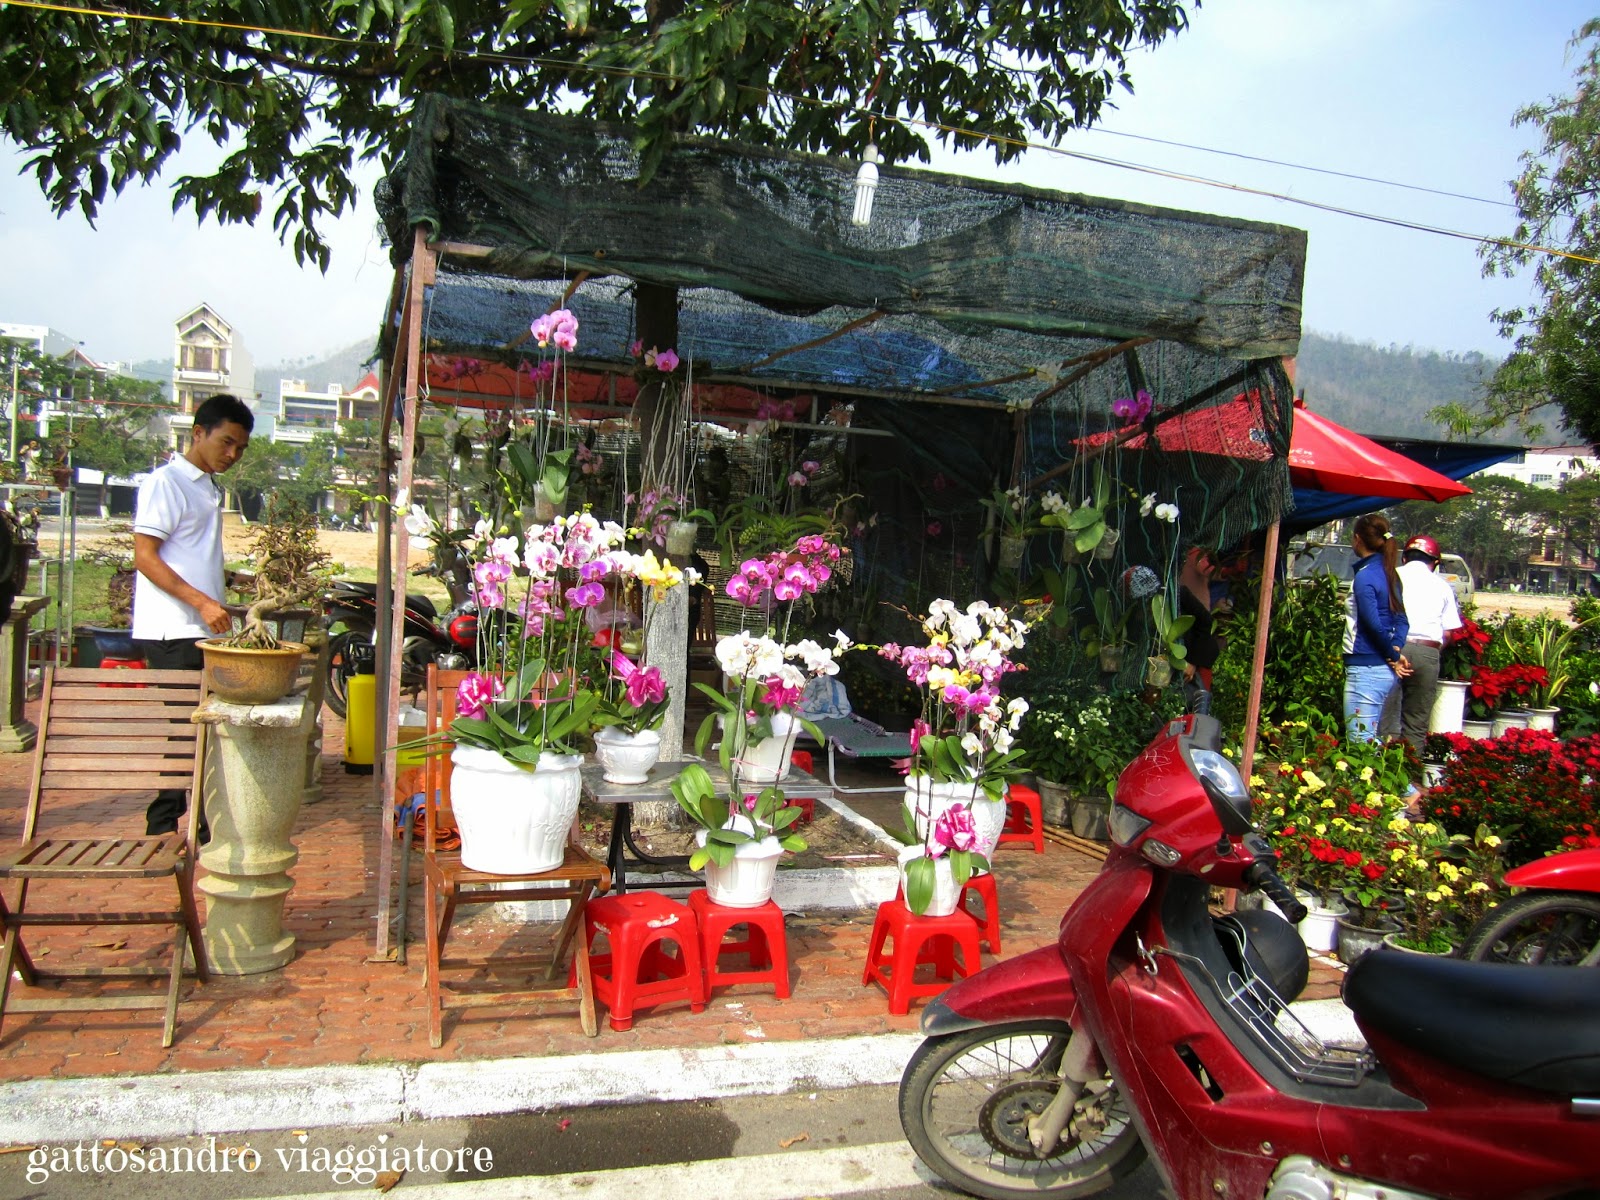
<point x="667" y="647"/>
<point x="254" y="783"/>
<point x="17" y="733"/>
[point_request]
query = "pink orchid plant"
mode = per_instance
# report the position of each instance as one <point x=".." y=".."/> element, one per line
<point x="964" y="734"/>
<point x="535" y="596"/>
<point x="636" y="697"/>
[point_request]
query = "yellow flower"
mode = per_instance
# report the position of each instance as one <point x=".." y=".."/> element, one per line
<point x="1396" y="854"/>
<point x="1399" y="825"/>
<point x="1312" y="782"/>
<point x="1375" y="800"/>
<point x="1341" y="765"/>
<point x="1427" y="829"/>
<point x="1491" y="841"/>
<point x="1444" y="890"/>
<point x="1433" y="897"/>
<point x="1256" y="781"/>
<point x="1480" y="886"/>
<point x="1319" y="828"/>
<point x="1449" y="871"/>
<point x="657" y="576"/>
<point x="1329" y="803"/>
<point x="1366" y="774"/>
<point x="1285" y="769"/>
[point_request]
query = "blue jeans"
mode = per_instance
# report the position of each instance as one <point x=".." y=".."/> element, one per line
<point x="1365" y="690"/>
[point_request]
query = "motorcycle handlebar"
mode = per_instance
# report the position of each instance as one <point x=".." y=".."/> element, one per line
<point x="1264" y="876"/>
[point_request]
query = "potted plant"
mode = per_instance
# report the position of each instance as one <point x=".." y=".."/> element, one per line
<point x="627" y="736"/>
<point x="1107" y="638"/>
<point x="1085" y="526"/>
<point x="740" y="840"/>
<point x="1463" y="649"/>
<point x="963" y="751"/>
<point x="1014" y="518"/>
<point x="1497" y="693"/>
<point x="1428" y="883"/>
<point x="525" y="715"/>
<point x="114" y="639"/>
<point x="1170" y="630"/>
<point x="1544" y="643"/>
<point x="256" y="664"/>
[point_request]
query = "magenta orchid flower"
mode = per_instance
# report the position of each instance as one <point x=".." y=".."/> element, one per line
<point x="586" y="595"/>
<point x="647" y="686"/>
<point x="475" y="693"/>
<point x="667" y="360"/>
<point x="954" y="829"/>
<point x="779" y="694"/>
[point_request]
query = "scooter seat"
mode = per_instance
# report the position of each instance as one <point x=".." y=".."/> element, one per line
<point x="1533" y="1026"/>
<point x="419" y="603"/>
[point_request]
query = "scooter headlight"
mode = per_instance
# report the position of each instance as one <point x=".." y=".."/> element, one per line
<point x="1125" y="825"/>
<point x="1222" y="783"/>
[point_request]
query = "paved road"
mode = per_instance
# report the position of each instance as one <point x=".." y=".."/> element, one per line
<point x="827" y="1143"/>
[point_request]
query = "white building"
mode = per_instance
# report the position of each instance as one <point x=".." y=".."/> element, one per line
<point x="1547" y="466"/>
<point x="209" y="357"/>
<point x="42" y="338"/>
<point x="302" y="413"/>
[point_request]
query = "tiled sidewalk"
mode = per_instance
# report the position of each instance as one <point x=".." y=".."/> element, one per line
<point x="331" y="1006"/>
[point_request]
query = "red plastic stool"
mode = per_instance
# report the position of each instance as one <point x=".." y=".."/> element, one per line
<point x="940" y="937"/>
<point x="764" y="942"/>
<point x="984" y="888"/>
<point x="1024" y="817"/>
<point x="636" y="971"/>
<point x="126" y="664"/>
<point x="801" y="759"/>
<point x="807" y="806"/>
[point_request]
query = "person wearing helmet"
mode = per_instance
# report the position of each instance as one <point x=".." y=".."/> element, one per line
<point x="1432" y="613"/>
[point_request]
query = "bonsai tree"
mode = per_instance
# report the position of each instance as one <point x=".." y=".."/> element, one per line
<point x="291" y="569"/>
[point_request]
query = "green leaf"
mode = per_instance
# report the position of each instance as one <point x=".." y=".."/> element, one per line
<point x="699" y="859"/>
<point x="792" y="843"/>
<point x="575" y="13"/>
<point x="919" y="884"/>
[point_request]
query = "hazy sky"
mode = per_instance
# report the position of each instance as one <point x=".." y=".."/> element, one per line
<point x="1414" y="91"/>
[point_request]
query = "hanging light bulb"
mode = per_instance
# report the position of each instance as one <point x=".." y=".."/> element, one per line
<point x="866" y="185"/>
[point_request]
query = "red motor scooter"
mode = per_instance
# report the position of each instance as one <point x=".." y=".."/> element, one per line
<point x="1556" y="922"/>
<point x="1153" y="1026"/>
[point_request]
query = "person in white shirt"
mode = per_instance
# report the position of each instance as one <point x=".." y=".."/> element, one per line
<point x="177" y="551"/>
<point x="1432" y="613"/>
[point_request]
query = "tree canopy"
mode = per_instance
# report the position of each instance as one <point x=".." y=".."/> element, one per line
<point x="1556" y="356"/>
<point x="296" y="93"/>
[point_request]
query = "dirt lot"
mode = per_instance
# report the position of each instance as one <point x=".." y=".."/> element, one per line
<point x="1522" y="604"/>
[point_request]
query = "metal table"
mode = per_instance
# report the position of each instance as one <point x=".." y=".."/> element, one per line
<point x="658" y="786"/>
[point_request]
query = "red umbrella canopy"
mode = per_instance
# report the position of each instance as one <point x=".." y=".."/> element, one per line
<point x="1324" y="454"/>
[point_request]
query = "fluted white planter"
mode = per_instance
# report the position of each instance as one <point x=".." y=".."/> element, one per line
<point x="769" y="759"/>
<point x="927" y="800"/>
<point x="1320" y="929"/>
<point x="946" y="895"/>
<point x="513" y="821"/>
<point x="1515" y="718"/>
<point x="1543" y="718"/>
<point x="626" y="757"/>
<point x="1477" y="729"/>
<point x="747" y="881"/>
<point x="1449" y="707"/>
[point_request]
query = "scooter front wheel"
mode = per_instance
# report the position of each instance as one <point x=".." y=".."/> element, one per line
<point x="1553" y="929"/>
<point x="965" y="1101"/>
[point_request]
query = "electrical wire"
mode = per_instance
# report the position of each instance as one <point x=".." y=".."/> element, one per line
<point x="869" y="114"/>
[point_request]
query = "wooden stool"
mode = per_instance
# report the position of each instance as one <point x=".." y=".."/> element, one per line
<point x="1024" y="817"/>
<point x="984" y="888"/>
<point x="940" y="936"/>
<point x="765" y="943"/>
<point x="636" y="971"/>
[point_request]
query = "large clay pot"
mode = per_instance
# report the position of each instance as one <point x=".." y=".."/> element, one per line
<point x="1391" y="940"/>
<point x="1449" y="707"/>
<point x="244" y="676"/>
<point x="1357" y="939"/>
<point x="927" y="800"/>
<point x="626" y="757"/>
<point x="946" y="895"/>
<point x="514" y="821"/>
<point x="1091" y="816"/>
<point x="1055" y="801"/>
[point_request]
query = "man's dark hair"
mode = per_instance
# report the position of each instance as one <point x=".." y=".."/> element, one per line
<point x="223" y="407"/>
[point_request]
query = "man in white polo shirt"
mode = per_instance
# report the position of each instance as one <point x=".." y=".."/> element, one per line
<point x="177" y="551"/>
<point x="1432" y="613"/>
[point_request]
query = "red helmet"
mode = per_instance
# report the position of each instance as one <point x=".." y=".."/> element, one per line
<point x="1423" y="544"/>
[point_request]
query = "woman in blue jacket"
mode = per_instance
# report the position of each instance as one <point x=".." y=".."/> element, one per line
<point x="1375" y="628"/>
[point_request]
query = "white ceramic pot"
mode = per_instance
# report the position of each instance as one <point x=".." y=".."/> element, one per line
<point x="1511" y="718"/>
<point x="1320" y="929"/>
<point x="928" y="800"/>
<point x="1543" y="718"/>
<point x="626" y="757"/>
<point x="1432" y="774"/>
<point x="946" y="895"/>
<point x="1449" y="707"/>
<point x="747" y="881"/>
<point x="768" y="760"/>
<point x="513" y="821"/>
<point x="1477" y="729"/>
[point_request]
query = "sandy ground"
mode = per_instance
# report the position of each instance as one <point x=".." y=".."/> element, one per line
<point x="1522" y="604"/>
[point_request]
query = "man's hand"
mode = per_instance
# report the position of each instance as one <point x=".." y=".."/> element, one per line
<point x="216" y="617"/>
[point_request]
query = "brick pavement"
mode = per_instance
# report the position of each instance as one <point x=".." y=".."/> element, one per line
<point x="331" y="1006"/>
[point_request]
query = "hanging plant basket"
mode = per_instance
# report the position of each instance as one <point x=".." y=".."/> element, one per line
<point x="1157" y="672"/>
<point x="246" y="676"/>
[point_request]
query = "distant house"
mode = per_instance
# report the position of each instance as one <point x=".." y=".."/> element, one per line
<point x="1547" y="466"/>
<point x="303" y="413"/>
<point x="209" y="357"/>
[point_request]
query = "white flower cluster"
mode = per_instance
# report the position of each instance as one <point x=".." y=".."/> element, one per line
<point x="1163" y="512"/>
<point x="744" y="655"/>
<point x="1051" y="502"/>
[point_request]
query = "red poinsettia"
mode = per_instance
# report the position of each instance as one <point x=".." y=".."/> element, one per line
<point x="1463" y="650"/>
<point x="1495" y="688"/>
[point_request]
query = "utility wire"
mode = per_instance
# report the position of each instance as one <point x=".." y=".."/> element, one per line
<point x="956" y="131"/>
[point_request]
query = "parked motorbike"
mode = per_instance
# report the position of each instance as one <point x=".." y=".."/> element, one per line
<point x="449" y="640"/>
<point x="1153" y="1027"/>
<point x="1556" y="922"/>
